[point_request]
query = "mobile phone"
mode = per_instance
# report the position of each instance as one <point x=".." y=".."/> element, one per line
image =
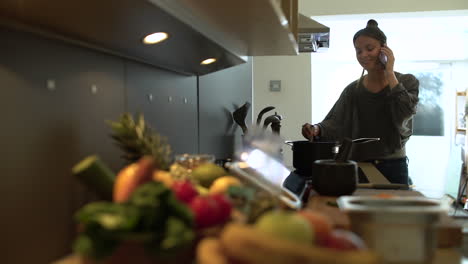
<point x="383" y="59"/>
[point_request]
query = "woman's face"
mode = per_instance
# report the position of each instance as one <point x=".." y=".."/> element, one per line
<point x="367" y="52"/>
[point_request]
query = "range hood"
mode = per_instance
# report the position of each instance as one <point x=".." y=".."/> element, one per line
<point x="228" y="31"/>
<point x="311" y="34"/>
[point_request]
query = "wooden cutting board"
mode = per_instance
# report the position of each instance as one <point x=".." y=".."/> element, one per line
<point x="449" y="232"/>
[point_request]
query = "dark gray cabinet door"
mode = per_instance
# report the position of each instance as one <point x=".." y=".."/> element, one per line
<point x="44" y="132"/>
<point x="220" y="93"/>
<point x="168" y="102"/>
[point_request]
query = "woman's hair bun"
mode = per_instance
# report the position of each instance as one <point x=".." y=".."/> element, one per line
<point x="372" y="23"/>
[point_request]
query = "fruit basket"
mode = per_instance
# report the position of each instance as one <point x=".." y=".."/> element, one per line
<point x="155" y="210"/>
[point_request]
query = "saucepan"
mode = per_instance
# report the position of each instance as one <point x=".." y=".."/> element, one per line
<point x="306" y="152"/>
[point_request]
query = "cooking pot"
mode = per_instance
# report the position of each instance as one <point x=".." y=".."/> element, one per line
<point x="306" y="152"/>
<point x="338" y="176"/>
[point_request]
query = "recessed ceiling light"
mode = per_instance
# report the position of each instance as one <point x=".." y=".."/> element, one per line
<point x="155" y="38"/>
<point x="208" y="61"/>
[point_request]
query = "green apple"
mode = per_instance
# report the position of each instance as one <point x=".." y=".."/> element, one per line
<point x="286" y="225"/>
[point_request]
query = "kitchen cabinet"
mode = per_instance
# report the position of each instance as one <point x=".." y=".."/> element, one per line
<point x="168" y="102"/>
<point x="45" y="131"/>
<point x="197" y="29"/>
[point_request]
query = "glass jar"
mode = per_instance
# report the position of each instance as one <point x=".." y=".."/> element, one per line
<point x="185" y="163"/>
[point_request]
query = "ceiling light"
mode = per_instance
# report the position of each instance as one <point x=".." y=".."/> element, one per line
<point x="208" y="61"/>
<point x="155" y="38"/>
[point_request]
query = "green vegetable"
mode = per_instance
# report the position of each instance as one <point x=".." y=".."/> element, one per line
<point x="152" y="217"/>
<point x="92" y="172"/>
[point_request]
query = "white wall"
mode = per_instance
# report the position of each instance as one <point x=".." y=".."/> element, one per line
<point x="294" y="100"/>
<point x="336" y="7"/>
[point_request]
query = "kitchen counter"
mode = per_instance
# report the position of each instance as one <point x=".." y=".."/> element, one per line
<point x="442" y="256"/>
<point x="449" y="232"/>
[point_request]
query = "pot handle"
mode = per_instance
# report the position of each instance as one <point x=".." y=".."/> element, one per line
<point x="364" y="140"/>
<point x="289" y="142"/>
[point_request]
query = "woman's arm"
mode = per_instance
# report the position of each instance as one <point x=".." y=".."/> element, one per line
<point x="404" y="98"/>
<point x="332" y="126"/>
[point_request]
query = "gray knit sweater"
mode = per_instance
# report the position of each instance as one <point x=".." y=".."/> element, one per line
<point x="386" y="114"/>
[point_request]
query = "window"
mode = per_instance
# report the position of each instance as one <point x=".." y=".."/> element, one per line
<point x="440" y="65"/>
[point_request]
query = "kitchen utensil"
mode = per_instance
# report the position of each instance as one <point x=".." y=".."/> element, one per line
<point x="399" y="229"/>
<point x="264" y="110"/>
<point x="338" y="176"/>
<point x="275" y="121"/>
<point x="347" y="144"/>
<point x="239" y="116"/>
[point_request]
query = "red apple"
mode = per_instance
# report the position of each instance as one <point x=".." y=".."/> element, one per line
<point x="210" y="210"/>
<point x="184" y="190"/>
<point x="225" y="207"/>
<point x="206" y="211"/>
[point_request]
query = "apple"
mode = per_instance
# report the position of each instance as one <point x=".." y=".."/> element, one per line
<point x="344" y="240"/>
<point x="225" y="207"/>
<point x="320" y="223"/>
<point x="184" y="190"/>
<point x="210" y="210"/>
<point x="286" y="225"/>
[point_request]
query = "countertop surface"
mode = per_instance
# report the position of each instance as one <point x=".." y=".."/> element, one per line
<point x="443" y="255"/>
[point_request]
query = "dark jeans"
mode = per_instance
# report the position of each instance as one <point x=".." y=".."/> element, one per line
<point x="395" y="170"/>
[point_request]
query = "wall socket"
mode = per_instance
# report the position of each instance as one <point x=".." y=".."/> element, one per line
<point x="275" y="85"/>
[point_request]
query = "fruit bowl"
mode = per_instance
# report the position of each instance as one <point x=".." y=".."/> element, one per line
<point x="130" y="252"/>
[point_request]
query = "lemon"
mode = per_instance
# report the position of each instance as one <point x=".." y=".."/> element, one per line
<point x="221" y="184"/>
<point x="207" y="173"/>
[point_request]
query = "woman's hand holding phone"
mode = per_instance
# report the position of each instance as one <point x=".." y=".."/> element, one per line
<point x="388" y="66"/>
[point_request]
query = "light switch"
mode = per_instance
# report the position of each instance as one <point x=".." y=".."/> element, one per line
<point x="275" y="85"/>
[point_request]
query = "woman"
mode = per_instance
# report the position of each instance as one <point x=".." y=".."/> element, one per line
<point x="380" y="104"/>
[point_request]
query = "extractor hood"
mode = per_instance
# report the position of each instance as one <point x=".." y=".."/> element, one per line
<point x="311" y="34"/>
<point x="226" y="30"/>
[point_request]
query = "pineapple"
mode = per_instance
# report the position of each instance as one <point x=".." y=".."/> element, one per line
<point x="137" y="139"/>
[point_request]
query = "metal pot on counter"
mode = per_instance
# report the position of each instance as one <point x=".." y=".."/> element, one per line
<point x="306" y="152"/>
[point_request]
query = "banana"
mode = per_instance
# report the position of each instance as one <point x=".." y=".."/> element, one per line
<point x="209" y="251"/>
<point x="249" y="245"/>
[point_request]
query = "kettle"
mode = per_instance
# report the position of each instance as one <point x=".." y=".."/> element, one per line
<point x="339" y="176"/>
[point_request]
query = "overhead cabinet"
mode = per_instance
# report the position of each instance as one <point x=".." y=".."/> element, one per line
<point x="227" y="31"/>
